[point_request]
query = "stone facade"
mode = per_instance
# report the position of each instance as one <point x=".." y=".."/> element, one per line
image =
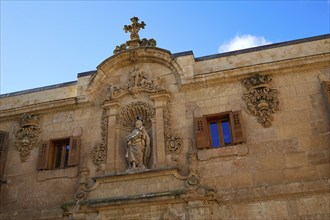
<point x="278" y="168"/>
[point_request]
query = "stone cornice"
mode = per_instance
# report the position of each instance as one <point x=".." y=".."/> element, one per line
<point x="42" y="107"/>
<point x="275" y="67"/>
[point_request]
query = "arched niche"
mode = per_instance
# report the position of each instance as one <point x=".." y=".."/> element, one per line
<point x="123" y="98"/>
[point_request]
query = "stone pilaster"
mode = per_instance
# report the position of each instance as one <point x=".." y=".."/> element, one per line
<point x="160" y="102"/>
<point x="112" y="160"/>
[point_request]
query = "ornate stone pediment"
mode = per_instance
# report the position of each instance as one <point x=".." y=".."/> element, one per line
<point x="261" y="99"/>
<point x="137" y="82"/>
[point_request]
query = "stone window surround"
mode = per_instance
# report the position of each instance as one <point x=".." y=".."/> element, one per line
<point x="46" y="155"/>
<point x="202" y="131"/>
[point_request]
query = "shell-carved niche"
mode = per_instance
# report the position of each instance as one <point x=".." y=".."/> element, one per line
<point x="261" y="99"/>
<point x="137" y="82"/>
<point x="128" y="115"/>
<point x="138" y="152"/>
<point x="28" y="134"/>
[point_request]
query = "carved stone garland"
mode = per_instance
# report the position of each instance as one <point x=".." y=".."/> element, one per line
<point x="99" y="152"/>
<point x="28" y="134"/>
<point x="172" y="140"/>
<point x="261" y="99"/>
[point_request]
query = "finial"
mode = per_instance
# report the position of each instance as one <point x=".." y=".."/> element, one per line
<point x="135" y="41"/>
<point x="134" y="28"/>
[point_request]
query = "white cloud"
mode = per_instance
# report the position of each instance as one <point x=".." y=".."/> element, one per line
<point x="243" y="41"/>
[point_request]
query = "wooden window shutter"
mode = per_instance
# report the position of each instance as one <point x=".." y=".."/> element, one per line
<point x="3" y="152"/>
<point x="202" y="136"/>
<point x="42" y="163"/>
<point x="74" y="151"/>
<point x="237" y="128"/>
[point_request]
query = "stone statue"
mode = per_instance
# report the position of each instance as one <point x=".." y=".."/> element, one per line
<point x="138" y="148"/>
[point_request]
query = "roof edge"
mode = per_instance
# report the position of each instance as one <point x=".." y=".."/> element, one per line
<point x="39" y="89"/>
<point x="264" y="47"/>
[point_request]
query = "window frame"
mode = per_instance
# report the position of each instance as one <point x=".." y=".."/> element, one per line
<point x="203" y="137"/>
<point x="55" y="148"/>
<point x="48" y="153"/>
<point x="218" y="119"/>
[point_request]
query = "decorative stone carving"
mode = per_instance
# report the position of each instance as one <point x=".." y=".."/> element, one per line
<point x="28" y="134"/>
<point x="134" y="28"/>
<point x="261" y="99"/>
<point x="85" y="186"/>
<point x="193" y="179"/>
<point x="172" y="140"/>
<point x="128" y="115"/>
<point x="137" y="82"/>
<point x="99" y="152"/>
<point x="138" y="149"/>
<point x="82" y="190"/>
<point x="135" y="41"/>
<point x="172" y="214"/>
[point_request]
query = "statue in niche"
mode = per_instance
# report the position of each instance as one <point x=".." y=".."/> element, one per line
<point x="138" y="148"/>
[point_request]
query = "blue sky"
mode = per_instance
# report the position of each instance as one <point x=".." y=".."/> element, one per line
<point x="49" y="42"/>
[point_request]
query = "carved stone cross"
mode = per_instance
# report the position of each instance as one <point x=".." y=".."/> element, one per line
<point x="134" y="28"/>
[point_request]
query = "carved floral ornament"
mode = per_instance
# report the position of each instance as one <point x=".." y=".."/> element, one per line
<point x="99" y="152"/>
<point x="137" y="82"/>
<point x="135" y="41"/>
<point x="28" y="134"/>
<point x="172" y="140"/>
<point x="261" y="99"/>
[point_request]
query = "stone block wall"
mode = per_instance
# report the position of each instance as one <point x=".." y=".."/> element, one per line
<point x="278" y="172"/>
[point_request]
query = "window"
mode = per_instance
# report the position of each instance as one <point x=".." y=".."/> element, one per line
<point x="219" y="130"/>
<point x="58" y="154"/>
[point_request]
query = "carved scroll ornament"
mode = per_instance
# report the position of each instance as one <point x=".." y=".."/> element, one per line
<point x="28" y="134"/>
<point x="261" y="99"/>
<point x="99" y="152"/>
<point x="137" y="82"/>
<point x="172" y="140"/>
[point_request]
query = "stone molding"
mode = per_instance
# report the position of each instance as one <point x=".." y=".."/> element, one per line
<point x="261" y="99"/>
<point x="201" y="79"/>
<point x="42" y="107"/>
<point x="28" y="134"/>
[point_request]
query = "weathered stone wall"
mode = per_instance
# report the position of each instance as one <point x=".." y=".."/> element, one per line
<point x="279" y="172"/>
